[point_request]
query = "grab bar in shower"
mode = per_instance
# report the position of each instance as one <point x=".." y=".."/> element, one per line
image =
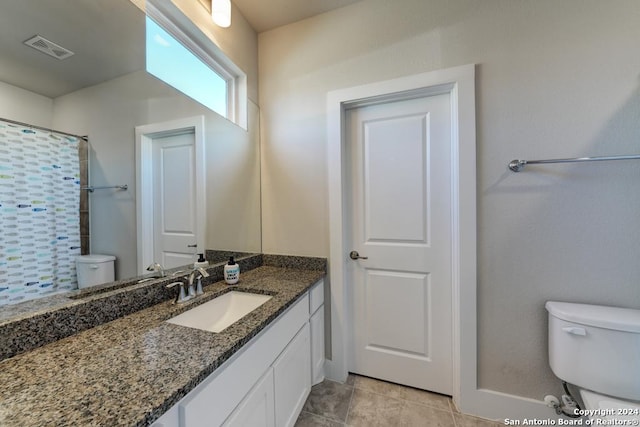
<point x="518" y="165"/>
<point x="119" y="187"/>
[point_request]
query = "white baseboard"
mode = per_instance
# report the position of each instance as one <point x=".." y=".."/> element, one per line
<point x="498" y="406"/>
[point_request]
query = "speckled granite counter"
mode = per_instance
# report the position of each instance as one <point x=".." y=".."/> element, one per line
<point x="131" y="370"/>
<point x="32" y="324"/>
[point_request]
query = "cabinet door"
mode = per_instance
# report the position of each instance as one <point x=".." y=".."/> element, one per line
<point x="292" y="378"/>
<point x="317" y="345"/>
<point x="257" y="408"/>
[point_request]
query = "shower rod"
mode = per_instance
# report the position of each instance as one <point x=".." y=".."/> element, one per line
<point x="27" y="125"/>
<point x="90" y="189"/>
<point x="518" y="165"/>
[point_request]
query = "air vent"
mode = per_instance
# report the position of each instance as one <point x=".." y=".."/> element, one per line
<point x="48" y="47"/>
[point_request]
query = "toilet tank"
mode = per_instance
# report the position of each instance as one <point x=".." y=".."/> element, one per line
<point x="94" y="270"/>
<point x="596" y="347"/>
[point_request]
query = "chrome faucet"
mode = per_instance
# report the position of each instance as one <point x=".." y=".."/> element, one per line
<point x="181" y="296"/>
<point x="196" y="274"/>
<point x="158" y="269"/>
<point x="188" y="291"/>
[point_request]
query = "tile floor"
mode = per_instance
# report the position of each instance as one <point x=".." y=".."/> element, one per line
<point x="364" y="401"/>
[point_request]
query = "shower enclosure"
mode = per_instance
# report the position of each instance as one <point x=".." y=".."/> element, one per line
<point x="41" y="175"/>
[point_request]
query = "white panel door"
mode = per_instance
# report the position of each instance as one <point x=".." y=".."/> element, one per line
<point x="400" y="157"/>
<point x="174" y="199"/>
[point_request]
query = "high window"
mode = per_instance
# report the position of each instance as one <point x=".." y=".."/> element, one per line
<point x="171" y="62"/>
<point x="178" y="53"/>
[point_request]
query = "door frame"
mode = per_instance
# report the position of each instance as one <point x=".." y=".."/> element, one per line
<point x="145" y="135"/>
<point x="459" y="82"/>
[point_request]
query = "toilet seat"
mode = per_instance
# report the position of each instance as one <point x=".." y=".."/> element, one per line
<point x="601" y="407"/>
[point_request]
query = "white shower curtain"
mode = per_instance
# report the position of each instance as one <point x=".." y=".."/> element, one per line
<point x="39" y="212"/>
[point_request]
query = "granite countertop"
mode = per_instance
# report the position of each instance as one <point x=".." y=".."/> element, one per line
<point x="129" y="371"/>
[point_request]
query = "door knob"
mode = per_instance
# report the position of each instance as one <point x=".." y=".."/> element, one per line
<point x="356" y="255"/>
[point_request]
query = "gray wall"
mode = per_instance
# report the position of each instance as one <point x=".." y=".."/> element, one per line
<point x="25" y="106"/>
<point x="555" y="78"/>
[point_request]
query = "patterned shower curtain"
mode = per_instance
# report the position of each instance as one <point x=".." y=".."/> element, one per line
<point x="39" y="213"/>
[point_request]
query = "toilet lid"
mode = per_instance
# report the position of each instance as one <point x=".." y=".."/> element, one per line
<point x="94" y="259"/>
<point x="601" y="407"/>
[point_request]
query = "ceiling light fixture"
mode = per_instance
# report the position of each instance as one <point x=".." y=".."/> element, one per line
<point x="221" y="12"/>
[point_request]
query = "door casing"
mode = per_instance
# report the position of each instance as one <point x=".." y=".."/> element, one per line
<point x="144" y="178"/>
<point x="459" y="82"/>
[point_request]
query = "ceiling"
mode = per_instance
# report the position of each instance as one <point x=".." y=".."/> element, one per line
<point x="104" y="48"/>
<point x="264" y="15"/>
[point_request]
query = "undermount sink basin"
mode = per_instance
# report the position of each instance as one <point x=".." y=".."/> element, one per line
<point x="219" y="313"/>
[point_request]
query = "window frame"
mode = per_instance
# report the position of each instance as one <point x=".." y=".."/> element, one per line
<point x="185" y="32"/>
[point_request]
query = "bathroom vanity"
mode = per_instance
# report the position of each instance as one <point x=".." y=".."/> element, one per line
<point x="265" y="383"/>
<point x="141" y="370"/>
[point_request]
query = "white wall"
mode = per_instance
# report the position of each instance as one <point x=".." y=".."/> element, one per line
<point x="109" y="112"/>
<point x="554" y="79"/>
<point x="25" y="106"/>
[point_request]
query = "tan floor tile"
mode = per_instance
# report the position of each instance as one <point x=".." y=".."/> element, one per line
<point x="329" y="399"/>
<point x="373" y="410"/>
<point x="469" y="421"/>
<point x="364" y="401"/>
<point x="415" y="415"/>
<point x="351" y="379"/>
<point x="307" y="419"/>
<point x="401" y="392"/>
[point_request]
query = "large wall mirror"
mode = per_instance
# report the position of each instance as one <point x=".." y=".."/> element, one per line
<point x="104" y="92"/>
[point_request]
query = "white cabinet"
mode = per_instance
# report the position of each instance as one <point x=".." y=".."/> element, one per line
<point x="292" y="379"/>
<point x="266" y="383"/>
<point x="257" y="409"/>
<point x="316" y="322"/>
<point x="213" y="400"/>
<point x="316" y="296"/>
<point x="168" y="419"/>
<point x="317" y="346"/>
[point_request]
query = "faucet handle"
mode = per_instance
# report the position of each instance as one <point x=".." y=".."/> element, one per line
<point x="182" y="295"/>
<point x="196" y="276"/>
<point x="202" y="271"/>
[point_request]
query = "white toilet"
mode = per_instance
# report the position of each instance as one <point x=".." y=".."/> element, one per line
<point x="94" y="270"/>
<point x="597" y="349"/>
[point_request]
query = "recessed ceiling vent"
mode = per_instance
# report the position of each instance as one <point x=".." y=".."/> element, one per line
<point x="48" y="47"/>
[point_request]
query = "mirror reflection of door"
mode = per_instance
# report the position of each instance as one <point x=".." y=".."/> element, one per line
<point x="170" y="192"/>
<point x="174" y="199"/>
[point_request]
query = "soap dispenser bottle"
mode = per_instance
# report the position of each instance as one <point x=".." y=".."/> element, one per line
<point x="231" y="272"/>
<point x="201" y="262"/>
